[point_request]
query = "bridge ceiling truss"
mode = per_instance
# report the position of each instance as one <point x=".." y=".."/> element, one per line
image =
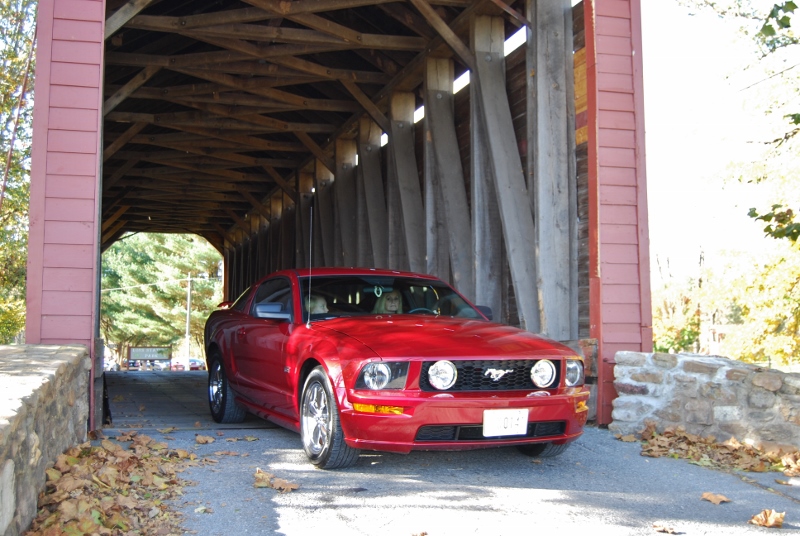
<point x="212" y="108"/>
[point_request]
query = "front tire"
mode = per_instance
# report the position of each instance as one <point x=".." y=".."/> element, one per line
<point x="224" y="408"/>
<point x="320" y="429"/>
<point x="543" y="450"/>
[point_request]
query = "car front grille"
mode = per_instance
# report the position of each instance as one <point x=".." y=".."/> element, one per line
<point x="476" y="375"/>
<point x="475" y="432"/>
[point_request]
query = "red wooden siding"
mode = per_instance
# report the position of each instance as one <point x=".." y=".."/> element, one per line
<point x="619" y="257"/>
<point x="62" y="249"/>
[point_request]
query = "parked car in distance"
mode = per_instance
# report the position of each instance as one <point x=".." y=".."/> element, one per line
<point x="177" y="367"/>
<point x="196" y="364"/>
<point x="388" y="361"/>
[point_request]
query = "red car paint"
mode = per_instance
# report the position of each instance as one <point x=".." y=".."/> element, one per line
<point x="267" y="360"/>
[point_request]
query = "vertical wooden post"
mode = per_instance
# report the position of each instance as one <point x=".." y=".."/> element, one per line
<point x="439" y="112"/>
<point x="346" y="206"/>
<point x="369" y="162"/>
<point x="364" y="247"/>
<point x="550" y="173"/>
<point x="323" y="180"/>
<point x="512" y="195"/>
<point x="405" y="164"/>
<point x="437" y="245"/>
<point x="305" y="183"/>
<point x="398" y="259"/>
<point x="486" y="222"/>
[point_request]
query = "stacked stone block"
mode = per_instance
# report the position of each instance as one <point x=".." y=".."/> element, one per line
<point x="707" y="396"/>
<point x="44" y="409"/>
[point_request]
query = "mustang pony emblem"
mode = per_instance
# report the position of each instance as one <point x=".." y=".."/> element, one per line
<point x="496" y="374"/>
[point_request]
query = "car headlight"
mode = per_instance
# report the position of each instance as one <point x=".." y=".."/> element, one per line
<point x="382" y="375"/>
<point x="543" y="373"/>
<point x="574" y="372"/>
<point x="442" y="375"/>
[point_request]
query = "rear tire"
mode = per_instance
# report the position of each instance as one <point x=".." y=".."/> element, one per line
<point x="320" y="429"/>
<point x="224" y="408"/>
<point x="543" y="450"/>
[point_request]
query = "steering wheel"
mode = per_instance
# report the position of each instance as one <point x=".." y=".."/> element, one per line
<point x="421" y="309"/>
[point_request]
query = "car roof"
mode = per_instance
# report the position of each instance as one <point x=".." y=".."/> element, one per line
<point x="332" y="271"/>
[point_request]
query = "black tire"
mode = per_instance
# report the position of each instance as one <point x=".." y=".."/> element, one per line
<point x="224" y="408"/>
<point x="320" y="430"/>
<point x="543" y="450"/>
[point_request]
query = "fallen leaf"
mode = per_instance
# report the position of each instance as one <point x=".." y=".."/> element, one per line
<point x="197" y="424"/>
<point x="232" y="439"/>
<point x="250" y="438"/>
<point x="203" y="510"/>
<point x="118" y="398"/>
<point x="783" y="482"/>
<point x="630" y="438"/>
<point x="263" y="480"/>
<point x="714" y="498"/>
<point x="220" y="434"/>
<point x="664" y="529"/>
<point x="204" y="440"/>
<point x="167" y="430"/>
<point x="284" y="486"/>
<point x="768" y="518"/>
<point x="142" y="407"/>
<point x="226" y="453"/>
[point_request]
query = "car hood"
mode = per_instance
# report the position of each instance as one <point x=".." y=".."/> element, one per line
<point x="410" y="336"/>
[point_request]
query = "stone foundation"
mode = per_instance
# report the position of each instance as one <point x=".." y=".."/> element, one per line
<point x="707" y="396"/>
<point x="44" y="409"/>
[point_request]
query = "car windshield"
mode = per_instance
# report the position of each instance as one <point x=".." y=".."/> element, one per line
<point x="333" y="296"/>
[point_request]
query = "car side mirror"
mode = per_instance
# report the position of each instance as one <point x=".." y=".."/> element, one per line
<point x="272" y="311"/>
<point x="485" y="310"/>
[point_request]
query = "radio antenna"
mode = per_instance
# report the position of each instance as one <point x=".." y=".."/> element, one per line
<point x="310" y="254"/>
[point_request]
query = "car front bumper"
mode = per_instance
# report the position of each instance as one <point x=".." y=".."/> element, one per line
<point x="464" y="412"/>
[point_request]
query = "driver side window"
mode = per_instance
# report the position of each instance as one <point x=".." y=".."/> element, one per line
<point x="274" y="291"/>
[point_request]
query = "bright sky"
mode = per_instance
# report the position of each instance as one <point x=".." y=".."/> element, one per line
<point x="697" y="121"/>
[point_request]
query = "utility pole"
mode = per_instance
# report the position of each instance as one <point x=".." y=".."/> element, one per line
<point x="188" y="318"/>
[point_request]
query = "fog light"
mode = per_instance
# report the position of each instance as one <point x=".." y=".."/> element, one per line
<point x="442" y="375"/>
<point x="377" y="375"/>
<point x="543" y="373"/>
<point x="574" y="373"/>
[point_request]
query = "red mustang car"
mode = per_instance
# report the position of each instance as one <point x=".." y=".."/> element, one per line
<point x="388" y="361"/>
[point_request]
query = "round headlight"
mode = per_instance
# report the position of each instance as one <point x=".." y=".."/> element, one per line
<point x="574" y="373"/>
<point x="543" y="373"/>
<point x="442" y="375"/>
<point x="377" y="375"/>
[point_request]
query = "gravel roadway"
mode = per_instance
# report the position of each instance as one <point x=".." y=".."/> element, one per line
<point x="598" y="486"/>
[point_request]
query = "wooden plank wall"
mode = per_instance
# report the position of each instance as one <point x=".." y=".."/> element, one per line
<point x="619" y="256"/>
<point x="63" y="239"/>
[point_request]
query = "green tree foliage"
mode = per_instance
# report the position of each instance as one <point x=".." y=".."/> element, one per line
<point x="144" y="281"/>
<point x="17" y="22"/>
<point x="676" y="318"/>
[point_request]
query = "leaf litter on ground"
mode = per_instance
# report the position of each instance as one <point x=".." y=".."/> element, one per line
<point x="676" y="442"/>
<point x="107" y="487"/>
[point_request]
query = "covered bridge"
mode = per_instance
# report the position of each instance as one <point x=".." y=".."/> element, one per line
<point x="231" y="118"/>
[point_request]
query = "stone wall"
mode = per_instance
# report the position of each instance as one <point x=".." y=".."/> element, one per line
<point x="44" y="409"/>
<point x="707" y="396"/>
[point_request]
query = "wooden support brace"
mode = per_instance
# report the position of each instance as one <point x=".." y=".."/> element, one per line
<point x="263" y="210"/>
<point x="551" y="156"/>
<point x="281" y="182"/>
<point x="126" y="136"/>
<point x="125" y="91"/>
<point x="114" y="217"/>
<point x="441" y="118"/>
<point x="512" y="194"/>
<point x="316" y="150"/>
<point x="345" y="190"/>
<point x="373" y="111"/>
<point x="107" y="235"/>
<point x="449" y="36"/>
<point x="238" y="221"/>
<point x="369" y="161"/>
<point x="405" y="164"/>
<point x="123" y="15"/>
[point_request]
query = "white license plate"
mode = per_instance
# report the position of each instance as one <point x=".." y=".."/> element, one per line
<point x="505" y="422"/>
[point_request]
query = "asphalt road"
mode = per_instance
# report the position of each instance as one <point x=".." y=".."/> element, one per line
<point x="598" y="486"/>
